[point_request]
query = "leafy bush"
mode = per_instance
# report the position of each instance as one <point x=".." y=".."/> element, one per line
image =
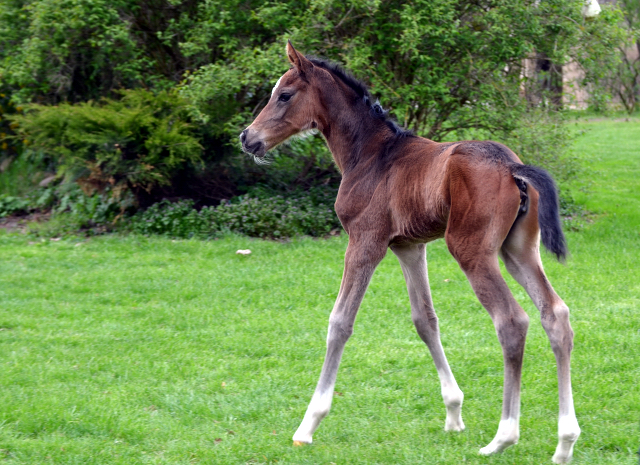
<point x="74" y="212"/>
<point x="439" y="65"/>
<point x="258" y="216"/>
<point x="178" y="219"/>
<point x="9" y="147"/>
<point x="615" y="76"/>
<point x="444" y="68"/>
<point x="98" y="208"/>
<point x="541" y="137"/>
<point x="134" y="144"/>
<point x="10" y="205"/>
<point x="61" y="225"/>
<point x="71" y="50"/>
<point x="275" y="217"/>
<point x="22" y="175"/>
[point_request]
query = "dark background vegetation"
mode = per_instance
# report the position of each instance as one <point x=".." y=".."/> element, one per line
<point x="108" y="107"/>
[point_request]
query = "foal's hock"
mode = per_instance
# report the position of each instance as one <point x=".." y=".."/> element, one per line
<point x="402" y="191"/>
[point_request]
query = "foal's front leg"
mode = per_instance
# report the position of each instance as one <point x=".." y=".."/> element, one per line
<point x="360" y="262"/>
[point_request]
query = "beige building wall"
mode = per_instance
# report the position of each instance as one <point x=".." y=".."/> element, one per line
<point x="576" y="97"/>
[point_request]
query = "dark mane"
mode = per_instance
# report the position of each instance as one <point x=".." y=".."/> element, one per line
<point x="361" y="90"/>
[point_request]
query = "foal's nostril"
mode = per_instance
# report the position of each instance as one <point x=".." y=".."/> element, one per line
<point x="254" y="146"/>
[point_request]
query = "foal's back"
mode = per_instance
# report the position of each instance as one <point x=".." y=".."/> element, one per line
<point x="425" y="180"/>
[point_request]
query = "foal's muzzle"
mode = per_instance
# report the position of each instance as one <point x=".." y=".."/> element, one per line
<point x="254" y="147"/>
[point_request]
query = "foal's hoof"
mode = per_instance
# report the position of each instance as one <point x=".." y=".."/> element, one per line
<point x="301" y="439"/>
<point x="497" y="446"/>
<point x="455" y="424"/>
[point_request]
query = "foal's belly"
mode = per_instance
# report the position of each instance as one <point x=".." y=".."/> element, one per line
<point x="417" y="227"/>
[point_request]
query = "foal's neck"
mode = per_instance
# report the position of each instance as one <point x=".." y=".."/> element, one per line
<point x="355" y="137"/>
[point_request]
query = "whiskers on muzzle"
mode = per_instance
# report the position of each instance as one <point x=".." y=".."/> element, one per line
<point x="256" y="148"/>
<point x="263" y="160"/>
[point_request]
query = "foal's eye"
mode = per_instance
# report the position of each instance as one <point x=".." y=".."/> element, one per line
<point x="284" y="97"/>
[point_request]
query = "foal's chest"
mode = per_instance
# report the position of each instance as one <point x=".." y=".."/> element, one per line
<point x="414" y="213"/>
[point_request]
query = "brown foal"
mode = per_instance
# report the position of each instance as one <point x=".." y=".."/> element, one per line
<point x="402" y="191"/>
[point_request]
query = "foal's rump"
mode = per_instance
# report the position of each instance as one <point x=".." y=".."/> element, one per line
<point x="489" y="185"/>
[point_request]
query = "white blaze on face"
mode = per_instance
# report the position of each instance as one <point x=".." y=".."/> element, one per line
<point x="276" y="86"/>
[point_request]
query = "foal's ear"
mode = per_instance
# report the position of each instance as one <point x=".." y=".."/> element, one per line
<point x="298" y="60"/>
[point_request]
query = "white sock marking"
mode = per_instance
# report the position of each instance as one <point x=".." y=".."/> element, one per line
<point x="507" y="435"/>
<point x="453" y="397"/>
<point x="568" y="432"/>
<point x="318" y="408"/>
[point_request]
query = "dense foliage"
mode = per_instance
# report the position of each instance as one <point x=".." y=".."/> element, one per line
<point x="260" y="214"/>
<point x="623" y="80"/>
<point x="268" y="217"/>
<point x="10" y="205"/>
<point x="132" y="144"/>
<point x="147" y="97"/>
<point x="445" y="68"/>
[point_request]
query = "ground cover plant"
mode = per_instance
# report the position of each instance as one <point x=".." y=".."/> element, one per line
<point x="267" y="216"/>
<point x="151" y="350"/>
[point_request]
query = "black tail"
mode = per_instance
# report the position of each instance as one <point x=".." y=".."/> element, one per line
<point x="548" y="207"/>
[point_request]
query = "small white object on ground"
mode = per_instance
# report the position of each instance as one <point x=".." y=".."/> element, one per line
<point x="243" y="252"/>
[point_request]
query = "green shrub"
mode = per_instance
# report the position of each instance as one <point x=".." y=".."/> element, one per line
<point x="134" y="144"/>
<point x="59" y="225"/>
<point x="177" y="219"/>
<point x="542" y="138"/>
<point x="23" y="174"/>
<point x="74" y="212"/>
<point x="9" y="147"/>
<point x="98" y="208"/>
<point x="275" y="217"/>
<point x="10" y="205"/>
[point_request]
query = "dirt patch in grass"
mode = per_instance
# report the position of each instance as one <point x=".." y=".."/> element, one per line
<point x="19" y="223"/>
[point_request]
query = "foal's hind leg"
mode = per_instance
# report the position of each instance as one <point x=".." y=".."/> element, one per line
<point x="521" y="256"/>
<point x="484" y="205"/>
<point x="414" y="267"/>
<point x="511" y="323"/>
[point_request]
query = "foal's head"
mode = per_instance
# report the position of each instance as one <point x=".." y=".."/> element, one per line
<point x="294" y="107"/>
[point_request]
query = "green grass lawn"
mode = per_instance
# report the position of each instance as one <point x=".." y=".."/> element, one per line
<point x="146" y="350"/>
